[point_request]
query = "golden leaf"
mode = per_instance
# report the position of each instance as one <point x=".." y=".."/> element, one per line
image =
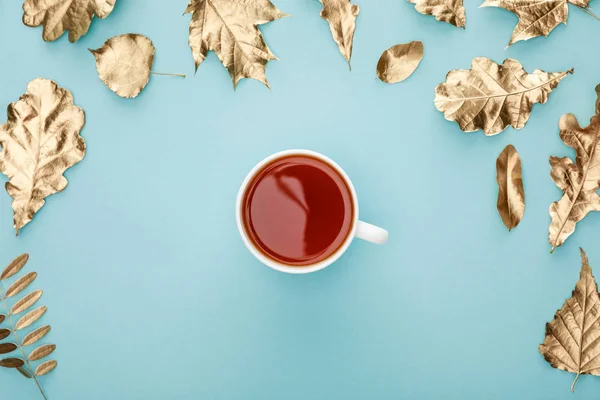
<point x="536" y="17"/>
<point x="341" y="15"/>
<point x="30" y="317"/>
<point x="39" y="142"/>
<point x="14" y="266"/>
<point x="124" y="63"/>
<point x="6" y="348"/>
<point x="2" y="318"/>
<point x="579" y="181"/>
<point x="450" y="11"/>
<point x="41" y="352"/>
<point x="11" y="363"/>
<point x="511" y="196"/>
<point x="24" y="372"/>
<point x="26" y="302"/>
<point x="398" y="62"/>
<point x="4" y="333"/>
<point x="572" y="338"/>
<point x="36" y="335"/>
<point x="45" y="367"/>
<point x="491" y="96"/>
<point x="57" y="16"/>
<point x="20" y="284"/>
<point x="230" y="29"/>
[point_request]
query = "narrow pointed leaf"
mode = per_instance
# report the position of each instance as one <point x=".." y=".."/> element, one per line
<point x="450" y="11"/>
<point x="398" y="62"/>
<point x="21" y="284"/>
<point x="36" y="335"/>
<point x="30" y="317"/>
<point x="41" y="352"/>
<point x="12" y="363"/>
<point x="24" y="372"/>
<point x="4" y="333"/>
<point x="7" y="348"/>
<point x="45" y="367"/>
<point x="341" y="15"/>
<point x="14" y="266"/>
<point x="26" y="302"/>
<point x="2" y="318"/>
<point x="511" y="195"/>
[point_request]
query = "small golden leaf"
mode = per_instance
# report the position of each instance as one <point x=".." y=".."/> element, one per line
<point x="572" y="338"/>
<point x="45" y="367"/>
<point x="15" y="266"/>
<point x="579" y="181"/>
<point x="398" y="62"/>
<point x="39" y="143"/>
<point x="11" y="363"/>
<point x="41" y="352"/>
<point x="26" y="302"/>
<point x="24" y="372"/>
<point x="59" y="16"/>
<point x="450" y="11"/>
<point x="2" y="318"/>
<point x="7" y="348"/>
<point x="4" y="333"/>
<point x="341" y="15"/>
<point x="20" y="284"/>
<point x="511" y="196"/>
<point x="491" y="96"/>
<point x="36" y="335"/>
<point x="124" y="63"/>
<point x="230" y="29"/>
<point x="30" y="317"/>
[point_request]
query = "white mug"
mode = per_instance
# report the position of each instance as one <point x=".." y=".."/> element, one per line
<point x="359" y="229"/>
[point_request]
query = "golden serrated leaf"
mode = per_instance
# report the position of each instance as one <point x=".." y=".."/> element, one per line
<point x="6" y="348"/>
<point x="57" y="16"/>
<point x="511" y="195"/>
<point x="450" y="11"/>
<point x="572" y="338"/>
<point x="230" y="29"/>
<point x="341" y="15"/>
<point x="39" y="143"/>
<point x="579" y="181"/>
<point x="399" y="62"/>
<point x="12" y="363"/>
<point x="26" y="302"/>
<point x="491" y="96"/>
<point x="15" y="266"/>
<point x="36" y="335"/>
<point x="30" y="317"/>
<point x="41" y="352"/>
<point x="4" y="333"/>
<point x="124" y="63"/>
<point x="45" y="367"/>
<point x="20" y="284"/>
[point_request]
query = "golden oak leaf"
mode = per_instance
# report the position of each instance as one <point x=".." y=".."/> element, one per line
<point x="579" y="181"/>
<point x="57" y="16"/>
<point x="511" y="196"/>
<point x="398" y="62"/>
<point x="39" y="142"/>
<point x="341" y="15"/>
<point x="572" y="341"/>
<point x="450" y="11"/>
<point x="536" y="17"/>
<point x="230" y="29"/>
<point x="491" y="96"/>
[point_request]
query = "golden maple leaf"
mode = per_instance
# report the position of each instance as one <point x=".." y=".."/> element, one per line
<point x="572" y="341"/>
<point x="341" y="15"/>
<point x="230" y="29"/>
<point x="450" y="11"/>
<point x="491" y="96"/>
<point x="57" y="16"/>
<point x="39" y="142"/>
<point x="580" y="180"/>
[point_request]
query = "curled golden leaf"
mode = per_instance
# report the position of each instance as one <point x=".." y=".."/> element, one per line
<point x="20" y="284"/>
<point x="41" y="352"/>
<point x="124" y="63"/>
<point x="45" y="367"/>
<point x="4" y="333"/>
<point x="450" y="11"/>
<point x="60" y="15"/>
<point x="511" y="195"/>
<point x="36" y="335"/>
<point x="579" y="181"/>
<point x="6" y="348"/>
<point x="12" y="363"/>
<point x="230" y="29"/>
<point x="399" y="62"/>
<point x="491" y="96"/>
<point x="572" y="338"/>
<point x="15" y="266"/>
<point x="30" y="317"/>
<point x="341" y="15"/>
<point x="26" y="302"/>
<point x="40" y="141"/>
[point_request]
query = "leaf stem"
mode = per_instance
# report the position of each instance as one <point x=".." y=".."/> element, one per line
<point x="588" y="11"/>
<point x="167" y="74"/>
<point x="19" y="343"/>
<point x="574" y="382"/>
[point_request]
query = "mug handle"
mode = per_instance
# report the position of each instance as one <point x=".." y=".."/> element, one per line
<point x="371" y="233"/>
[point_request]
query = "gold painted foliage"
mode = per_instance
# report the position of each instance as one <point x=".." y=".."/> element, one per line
<point x="579" y="181"/>
<point x="572" y="341"/>
<point x="20" y="317"/>
<point x="230" y="29"/>
<point x="40" y="141"/>
<point x="491" y="97"/>
<point x="511" y="195"/>
<point x="399" y="62"/>
<point x="536" y="17"/>
<point x="341" y="15"/>
<point x="57" y="16"/>
<point x="450" y="11"/>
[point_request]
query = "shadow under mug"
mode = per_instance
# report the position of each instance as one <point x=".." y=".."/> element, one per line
<point x="359" y="229"/>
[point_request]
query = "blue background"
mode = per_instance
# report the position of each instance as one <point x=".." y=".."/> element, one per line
<point x="152" y="294"/>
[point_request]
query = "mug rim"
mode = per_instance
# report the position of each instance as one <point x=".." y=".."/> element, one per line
<point x="276" y="265"/>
